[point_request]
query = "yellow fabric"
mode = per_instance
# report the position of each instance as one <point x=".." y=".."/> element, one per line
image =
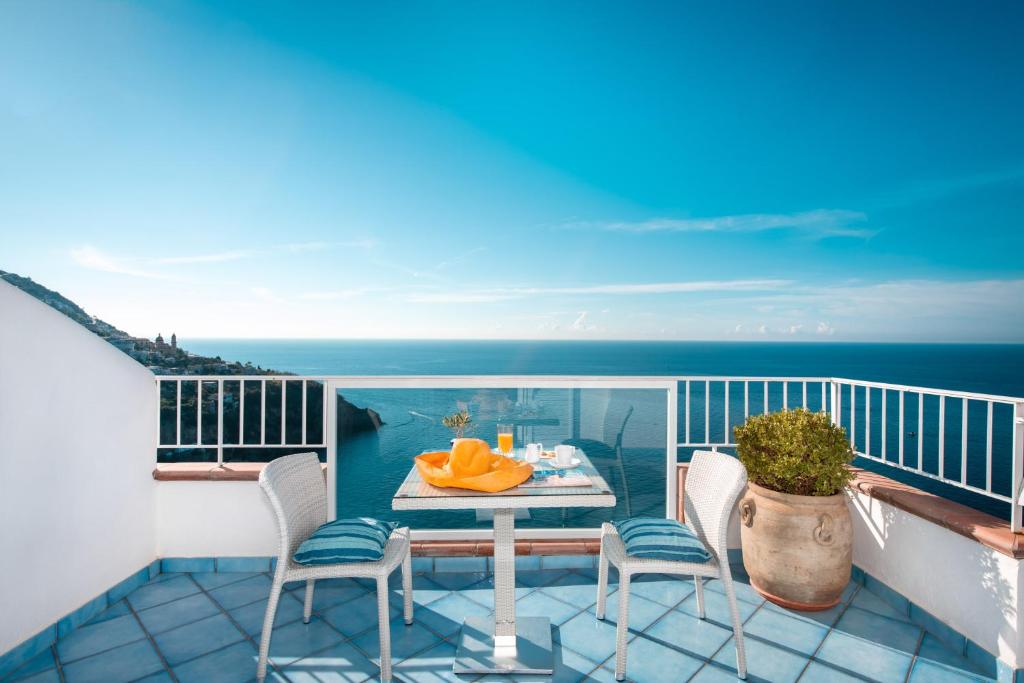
<point x="469" y="458"/>
<point x="472" y="465"/>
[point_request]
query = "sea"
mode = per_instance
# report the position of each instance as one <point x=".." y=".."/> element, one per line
<point x="987" y="368"/>
<point x="623" y="431"/>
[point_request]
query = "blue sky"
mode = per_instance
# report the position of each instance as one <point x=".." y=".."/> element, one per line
<point x="812" y="171"/>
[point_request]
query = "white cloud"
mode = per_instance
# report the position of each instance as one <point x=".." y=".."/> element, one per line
<point x="266" y="295"/>
<point x="301" y="247"/>
<point x="433" y="272"/>
<point x="417" y="273"/>
<point x="898" y="299"/>
<point x="334" y="295"/>
<point x="94" y="259"/>
<point x="459" y="258"/>
<point x="909" y="310"/>
<point x="206" y="258"/>
<point x="669" y="287"/>
<point x="457" y="297"/>
<point x="817" y="223"/>
<point x="581" y="324"/>
<point x="504" y="294"/>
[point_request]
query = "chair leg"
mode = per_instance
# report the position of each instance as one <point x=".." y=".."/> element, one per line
<point x="307" y="608"/>
<point x="407" y="585"/>
<point x="268" y="627"/>
<point x="737" y="626"/>
<point x="622" y="627"/>
<point x="602" y="582"/>
<point x="384" y="626"/>
<point x="699" y="583"/>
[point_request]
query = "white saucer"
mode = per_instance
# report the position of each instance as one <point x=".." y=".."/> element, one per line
<point x="576" y="462"/>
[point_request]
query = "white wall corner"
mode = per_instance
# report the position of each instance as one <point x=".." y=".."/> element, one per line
<point x="77" y="444"/>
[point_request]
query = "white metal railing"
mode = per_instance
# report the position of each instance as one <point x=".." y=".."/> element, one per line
<point x="926" y="438"/>
<point x="255" y="385"/>
<point x="712" y="398"/>
<point x="887" y="423"/>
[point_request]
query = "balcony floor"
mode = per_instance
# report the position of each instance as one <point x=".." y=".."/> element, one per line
<point x="205" y="628"/>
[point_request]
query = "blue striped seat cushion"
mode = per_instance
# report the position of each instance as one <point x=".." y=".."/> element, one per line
<point x="661" y="539"/>
<point x="346" y="540"/>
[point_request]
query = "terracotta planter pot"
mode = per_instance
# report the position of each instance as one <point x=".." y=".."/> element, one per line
<point x="798" y="550"/>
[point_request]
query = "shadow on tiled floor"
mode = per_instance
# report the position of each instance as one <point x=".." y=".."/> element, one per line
<point x="206" y="627"/>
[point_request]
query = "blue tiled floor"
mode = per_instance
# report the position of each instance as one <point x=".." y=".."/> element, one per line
<point x="205" y="627"/>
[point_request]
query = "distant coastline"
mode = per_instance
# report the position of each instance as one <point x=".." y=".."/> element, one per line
<point x="160" y="356"/>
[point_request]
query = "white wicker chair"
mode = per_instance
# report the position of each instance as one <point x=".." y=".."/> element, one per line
<point x="298" y="493"/>
<point x="714" y="482"/>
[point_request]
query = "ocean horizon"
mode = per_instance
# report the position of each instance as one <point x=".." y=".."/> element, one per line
<point x="992" y="368"/>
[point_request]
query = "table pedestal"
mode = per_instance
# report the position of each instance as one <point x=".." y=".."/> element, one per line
<point x="477" y="653"/>
<point x="502" y="645"/>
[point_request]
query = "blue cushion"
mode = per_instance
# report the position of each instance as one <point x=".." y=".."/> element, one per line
<point x="661" y="539"/>
<point x="346" y="540"/>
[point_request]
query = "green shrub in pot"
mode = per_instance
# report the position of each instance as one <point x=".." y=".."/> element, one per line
<point x="795" y="529"/>
<point x="795" y="451"/>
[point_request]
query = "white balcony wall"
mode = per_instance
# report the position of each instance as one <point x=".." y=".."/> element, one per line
<point x="77" y="438"/>
<point x="214" y="519"/>
<point x="963" y="583"/>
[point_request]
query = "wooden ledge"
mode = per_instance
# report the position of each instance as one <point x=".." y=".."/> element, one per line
<point x="208" y="471"/>
<point x="982" y="527"/>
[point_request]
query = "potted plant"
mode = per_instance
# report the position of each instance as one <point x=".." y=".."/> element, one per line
<point x="458" y="422"/>
<point x="795" y="525"/>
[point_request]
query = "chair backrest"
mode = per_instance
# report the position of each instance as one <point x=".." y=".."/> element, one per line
<point x="622" y="430"/>
<point x="298" y="493"/>
<point x="714" y="482"/>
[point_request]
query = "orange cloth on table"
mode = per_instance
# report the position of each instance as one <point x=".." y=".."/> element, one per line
<point x="472" y="465"/>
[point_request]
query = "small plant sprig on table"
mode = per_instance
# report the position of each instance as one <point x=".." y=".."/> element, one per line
<point x="796" y="452"/>
<point x="458" y="422"/>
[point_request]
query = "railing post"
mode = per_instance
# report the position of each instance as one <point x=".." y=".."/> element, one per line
<point x="576" y="404"/>
<point x="220" y="423"/>
<point x="832" y="397"/>
<point x="853" y="417"/>
<point x="241" y="412"/>
<point x="199" y="412"/>
<point x="672" y="445"/>
<point x="1018" y="464"/>
<point x="331" y="444"/>
<point x="177" y="415"/>
<point x="725" y="437"/>
<point x="159" y="415"/>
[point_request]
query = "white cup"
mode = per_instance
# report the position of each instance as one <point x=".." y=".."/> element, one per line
<point x="532" y="453"/>
<point x="563" y="454"/>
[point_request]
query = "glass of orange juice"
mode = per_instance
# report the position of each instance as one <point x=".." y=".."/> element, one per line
<point x="505" y="440"/>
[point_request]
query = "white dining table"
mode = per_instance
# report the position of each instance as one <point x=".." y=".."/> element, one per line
<point x="505" y="644"/>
